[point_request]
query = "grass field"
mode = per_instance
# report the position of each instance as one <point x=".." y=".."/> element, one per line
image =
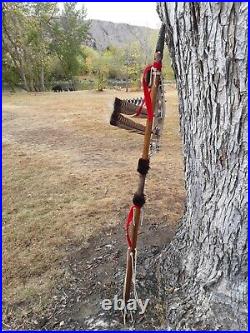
<point x="67" y="174"/>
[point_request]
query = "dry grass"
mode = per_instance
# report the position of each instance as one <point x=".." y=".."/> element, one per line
<point x="66" y="175"/>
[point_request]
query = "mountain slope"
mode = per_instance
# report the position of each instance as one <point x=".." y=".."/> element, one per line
<point x="104" y="34"/>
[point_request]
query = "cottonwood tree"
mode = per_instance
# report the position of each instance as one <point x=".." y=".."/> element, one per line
<point x="204" y="270"/>
<point x="68" y="33"/>
<point x="26" y="43"/>
<point x="35" y="35"/>
<point x="13" y="24"/>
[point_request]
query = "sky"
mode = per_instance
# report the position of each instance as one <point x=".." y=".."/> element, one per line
<point x="135" y="13"/>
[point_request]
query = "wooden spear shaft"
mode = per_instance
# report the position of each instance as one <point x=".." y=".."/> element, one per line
<point x="140" y="190"/>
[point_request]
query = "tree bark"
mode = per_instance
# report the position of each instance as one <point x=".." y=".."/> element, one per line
<point x="42" y="78"/>
<point x="23" y="76"/>
<point x="203" y="273"/>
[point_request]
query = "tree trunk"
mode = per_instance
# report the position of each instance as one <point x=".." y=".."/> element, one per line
<point x="127" y="78"/>
<point x="31" y="84"/>
<point x="42" y="78"/>
<point x="23" y="76"/>
<point x="203" y="273"/>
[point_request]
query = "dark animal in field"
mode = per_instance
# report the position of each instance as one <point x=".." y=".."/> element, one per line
<point x="63" y="87"/>
<point x="57" y="88"/>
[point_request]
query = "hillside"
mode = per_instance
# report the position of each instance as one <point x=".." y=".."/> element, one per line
<point x="105" y="33"/>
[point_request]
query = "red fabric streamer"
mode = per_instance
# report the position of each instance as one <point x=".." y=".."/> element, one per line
<point x="128" y="222"/>
<point x="146" y="89"/>
<point x="157" y="65"/>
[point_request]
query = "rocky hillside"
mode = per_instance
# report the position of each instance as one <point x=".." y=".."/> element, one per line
<point x="103" y="34"/>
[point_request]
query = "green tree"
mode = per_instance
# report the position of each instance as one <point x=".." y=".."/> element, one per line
<point x="101" y="70"/>
<point x="41" y="16"/>
<point x="26" y="43"/>
<point x="133" y="64"/>
<point x="39" y="42"/>
<point x="10" y="75"/>
<point x="69" y="32"/>
<point x="101" y="65"/>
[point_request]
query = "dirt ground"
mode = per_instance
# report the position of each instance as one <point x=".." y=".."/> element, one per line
<point x="68" y="181"/>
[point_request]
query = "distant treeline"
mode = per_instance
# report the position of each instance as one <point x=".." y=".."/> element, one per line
<point x="43" y="45"/>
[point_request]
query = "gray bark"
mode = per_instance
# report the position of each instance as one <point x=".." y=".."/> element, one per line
<point x="42" y="78"/>
<point x="203" y="273"/>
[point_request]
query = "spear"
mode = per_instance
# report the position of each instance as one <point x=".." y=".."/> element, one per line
<point x="154" y="73"/>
